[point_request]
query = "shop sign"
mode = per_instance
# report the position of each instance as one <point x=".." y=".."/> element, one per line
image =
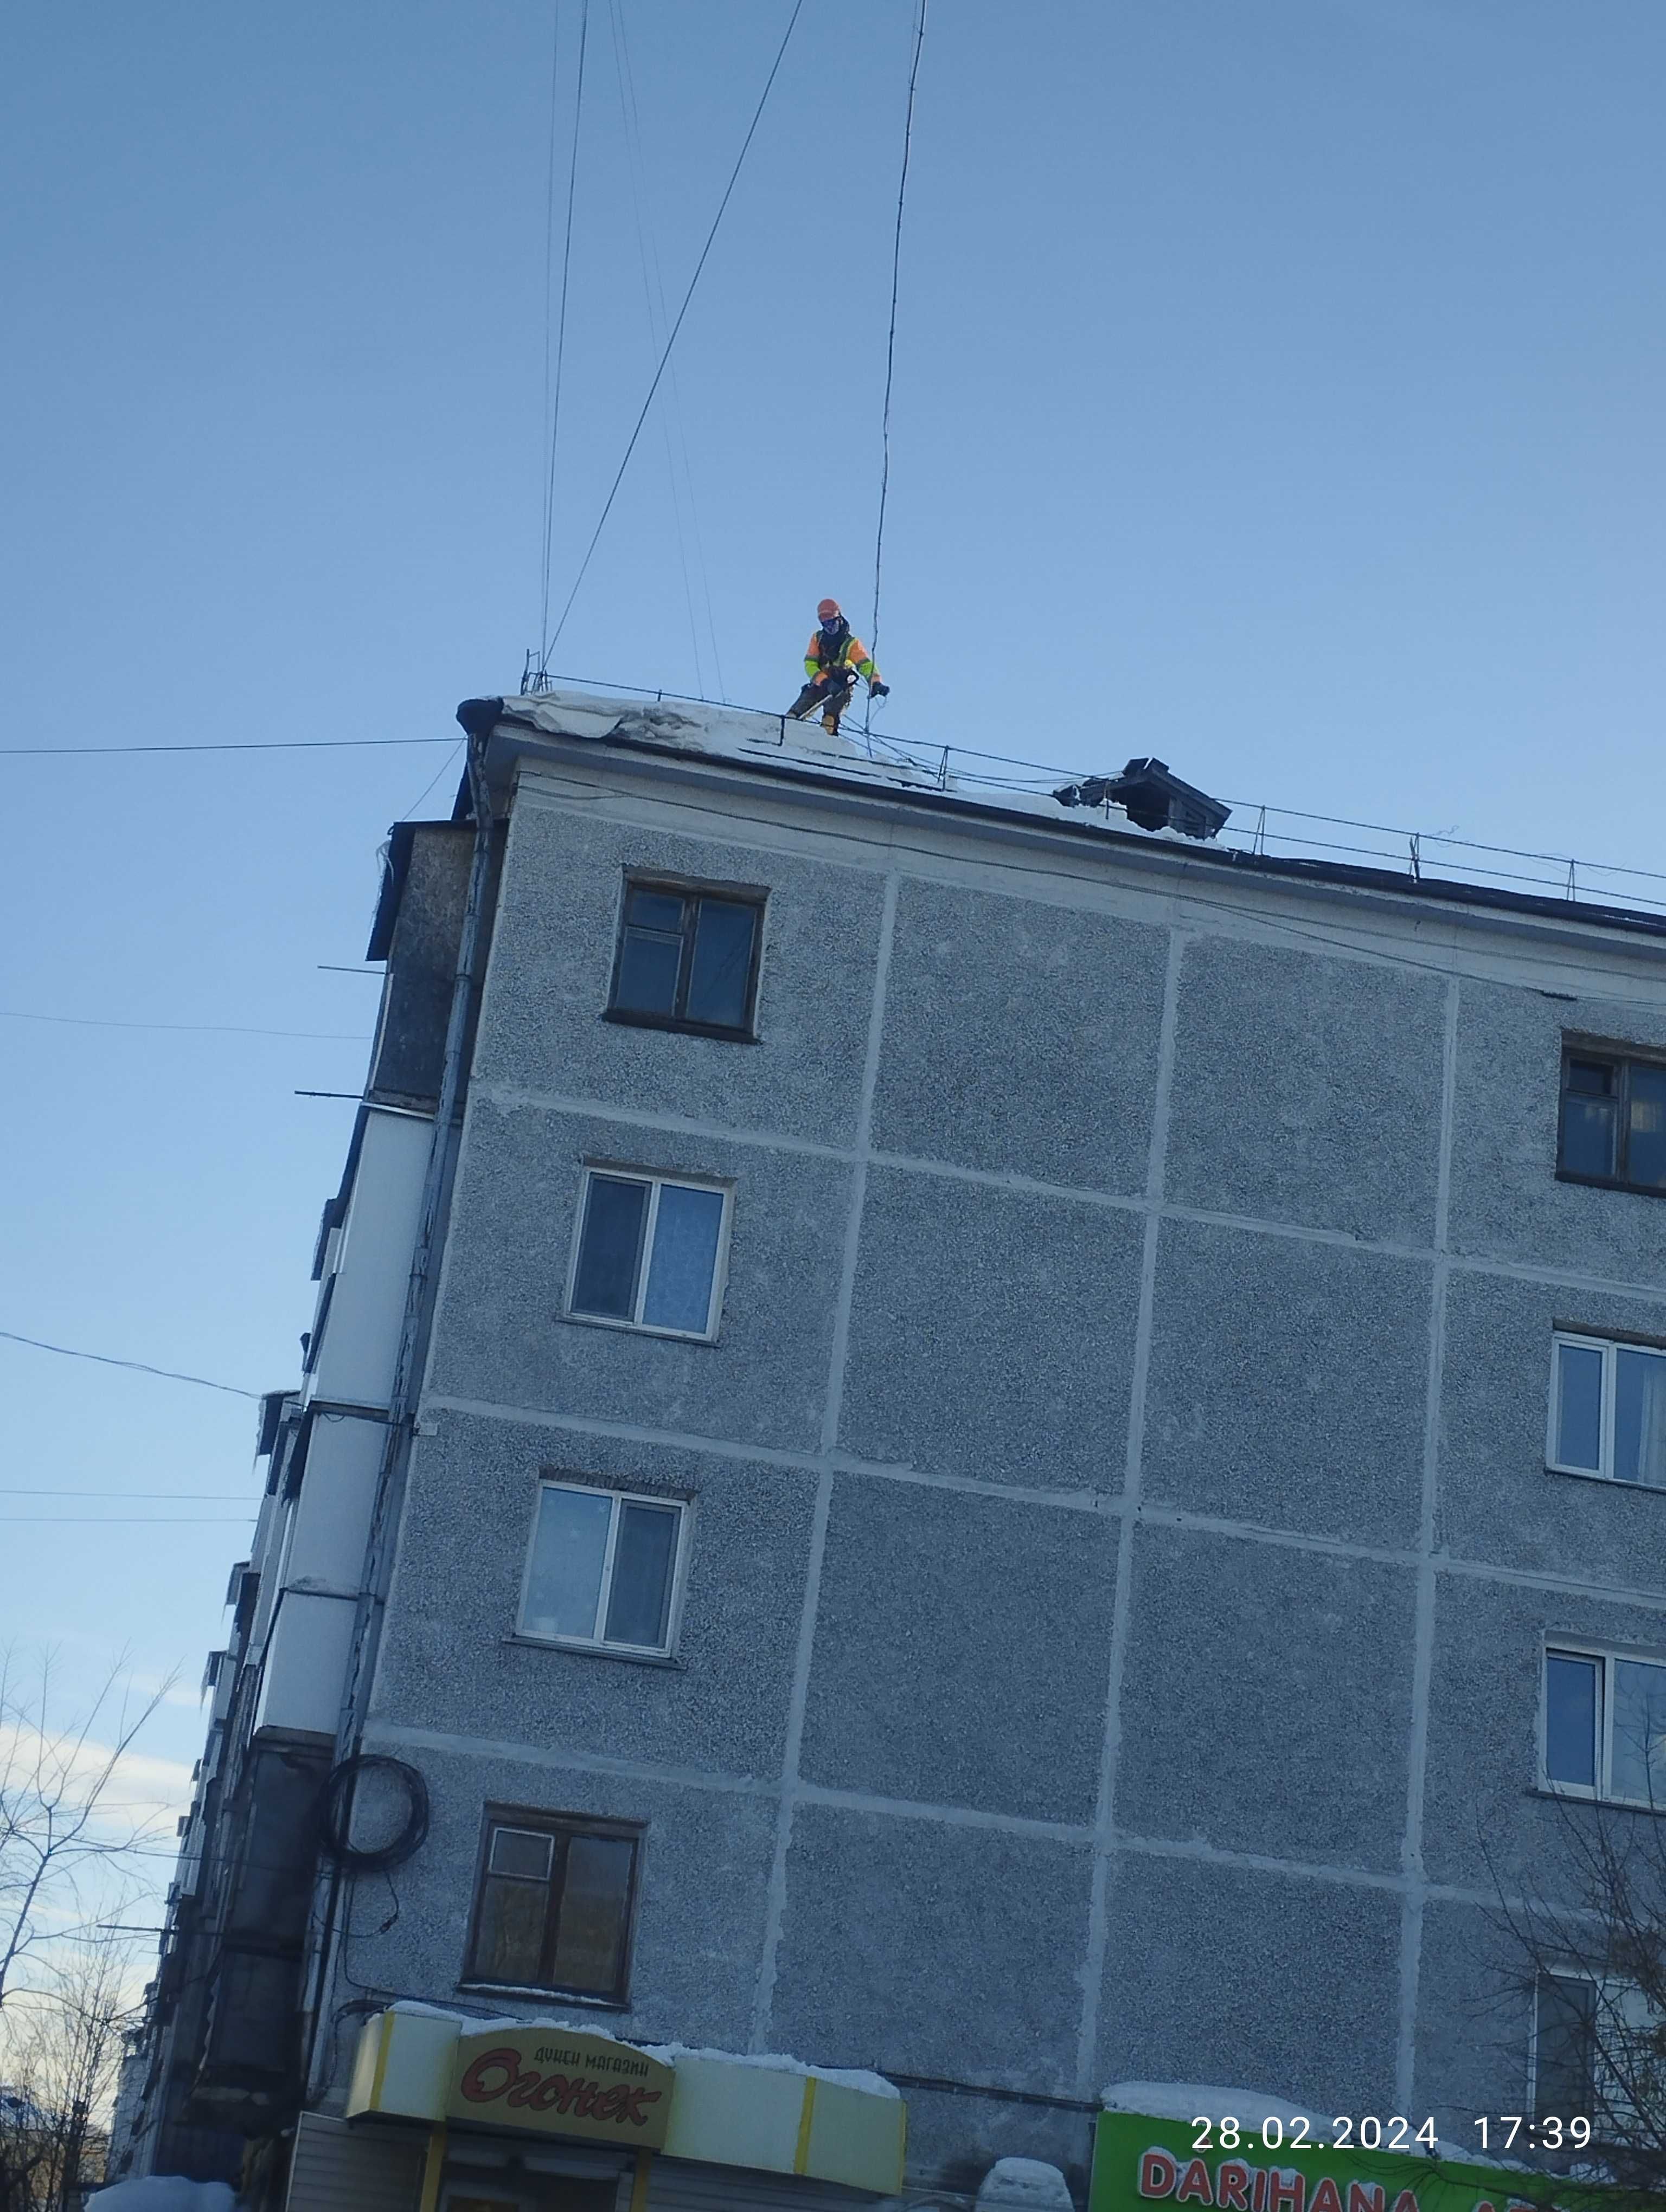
<point x="1143" y="2164"/>
<point x="561" y="2083"/>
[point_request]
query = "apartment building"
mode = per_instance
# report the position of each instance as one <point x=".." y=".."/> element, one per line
<point x="975" y="1449"/>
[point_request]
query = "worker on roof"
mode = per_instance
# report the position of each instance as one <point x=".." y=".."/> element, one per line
<point x="833" y="659"/>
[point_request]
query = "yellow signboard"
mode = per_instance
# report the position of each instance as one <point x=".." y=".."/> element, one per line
<point x="563" y="2083"/>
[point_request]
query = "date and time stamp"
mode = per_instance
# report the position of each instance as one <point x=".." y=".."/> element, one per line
<point x="1498" y="2133"/>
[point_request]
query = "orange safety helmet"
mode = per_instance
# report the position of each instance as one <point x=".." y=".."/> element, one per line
<point x="829" y="610"/>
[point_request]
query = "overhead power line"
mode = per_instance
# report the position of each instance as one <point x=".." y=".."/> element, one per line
<point x="552" y="388"/>
<point x="549" y="642"/>
<point x="179" y="1497"/>
<point x="142" y="1367"/>
<point x="257" y="745"/>
<point x="196" y="1029"/>
<point x="126" y="1519"/>
<point x="891" y="344"/>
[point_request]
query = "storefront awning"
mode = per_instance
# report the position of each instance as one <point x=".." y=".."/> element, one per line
<point x="770" y="2115"/>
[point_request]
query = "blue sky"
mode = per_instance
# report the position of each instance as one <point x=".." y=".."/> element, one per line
<point x="1278" y="390"/>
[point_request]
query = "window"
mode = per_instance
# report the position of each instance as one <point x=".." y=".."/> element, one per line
<point x="1605" y="1726"/>
<point x="1614" y="1121"/>
<point x="1593" y="2045"/>
<point x="1608" y="1410"/>
<point x="554" y="1905"/>
<point x="648" y="1252"/>
<point x="603" y="1568"/>
<point x="687" y="959"/>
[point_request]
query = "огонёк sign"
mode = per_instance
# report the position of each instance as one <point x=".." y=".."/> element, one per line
<point x="561" y="2083"/>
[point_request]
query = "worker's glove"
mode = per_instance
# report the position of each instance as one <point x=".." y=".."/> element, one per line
<point x="879" y="690"/>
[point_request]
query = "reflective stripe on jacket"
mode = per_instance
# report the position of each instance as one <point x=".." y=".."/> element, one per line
<point x="854" y="657"/>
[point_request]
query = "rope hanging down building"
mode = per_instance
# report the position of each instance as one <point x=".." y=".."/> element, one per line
<point x="891" y="344"/>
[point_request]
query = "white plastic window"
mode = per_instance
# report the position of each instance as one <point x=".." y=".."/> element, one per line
<point x="1605" y="1726"/>
<point x="604" y="1568"/>
<point x="1593" y="2041"/>
<point x="1608" y="1410"/>
<point x="649" y="1253"/>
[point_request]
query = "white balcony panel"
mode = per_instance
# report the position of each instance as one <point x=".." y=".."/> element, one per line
<point x="307" y="1656"/>
<point x="361" y="1339"/>
<point x="332" y="1514"/>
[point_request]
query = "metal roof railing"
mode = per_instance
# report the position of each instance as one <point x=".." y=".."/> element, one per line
<point x="1258" y="827"/>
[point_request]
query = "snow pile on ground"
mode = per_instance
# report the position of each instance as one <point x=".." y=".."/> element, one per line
<point x="1024" y="2185"/>
<point x="164" y="2192"/>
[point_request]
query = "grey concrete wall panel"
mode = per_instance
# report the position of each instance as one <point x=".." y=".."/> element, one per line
<point x="1473" y="2021"/>
<point x="704" y="1872"/>
<point x="1215" y="1973"/>
<point x="1307" y="1090"/>
<point x="1487" y="1826"/>
<point x="1506" y="1202"/>
<point x="1020" y="1037"/>
<point x="500" y="1334"/>
<point x="931" y="1948"/>
<point x="963" y="1646"/>
<point x="1287" y="1383"/>
<point x="1266" y="1701"/>
<point x="552" y="967"/>
<point x="992" y="1333"/>
<point x="1497" y="1501"/>
<point x="720" y="1706"/>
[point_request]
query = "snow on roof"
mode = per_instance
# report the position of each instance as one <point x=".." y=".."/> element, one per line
<point x="164" y="2192"/>
<point x="732" y="732"/>
<point x="849" y="2077"/>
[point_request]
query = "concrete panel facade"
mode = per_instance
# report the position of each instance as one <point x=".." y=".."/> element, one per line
<point x="1287" y="1383"/>
<point x="969" y="971"/>
<point x="1266" y="1705"/>
<point x="963" y="1646"/>
<point x="552" y="964"/>
<point x="1122" y="1551"/>
<point x="720" y="1705"/>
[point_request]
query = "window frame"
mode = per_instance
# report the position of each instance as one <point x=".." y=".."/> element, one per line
<point x="601" y="1645"/>
<point x="656" y="1178"/>
<point x="1605" y="1656"/>
<point x="1607" y="2104"/>
<point x="561" y="1828"/>
<point x="1622" y="1059"/>
<point x="1610" y="1347"/>
<point x="682" y="887"/>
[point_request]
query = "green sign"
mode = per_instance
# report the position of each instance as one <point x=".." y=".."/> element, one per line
<point x="1141" y="2164"/>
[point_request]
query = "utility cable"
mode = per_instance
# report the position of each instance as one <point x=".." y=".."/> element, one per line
<point x="655" y="288"/>
<point x="258" y="745"/>
<point x="193" y="1028"/>
<point x="169" y="1374"/>
<point x="890" y="351"/>
<point x="552" y="407"/>
<point x="549" y="642"/>
<point x="444" y="768"/>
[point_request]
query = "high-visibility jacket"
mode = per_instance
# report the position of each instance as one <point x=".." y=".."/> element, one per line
<point x="854" y="657"/>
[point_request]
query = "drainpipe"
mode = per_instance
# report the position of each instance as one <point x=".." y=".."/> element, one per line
<point x="409" y="1366"/>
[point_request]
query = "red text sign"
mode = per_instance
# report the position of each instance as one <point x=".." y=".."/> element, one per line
<point x="561" y="2083"/>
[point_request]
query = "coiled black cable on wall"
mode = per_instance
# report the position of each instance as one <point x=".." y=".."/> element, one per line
<point x="335" y="1814"/>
